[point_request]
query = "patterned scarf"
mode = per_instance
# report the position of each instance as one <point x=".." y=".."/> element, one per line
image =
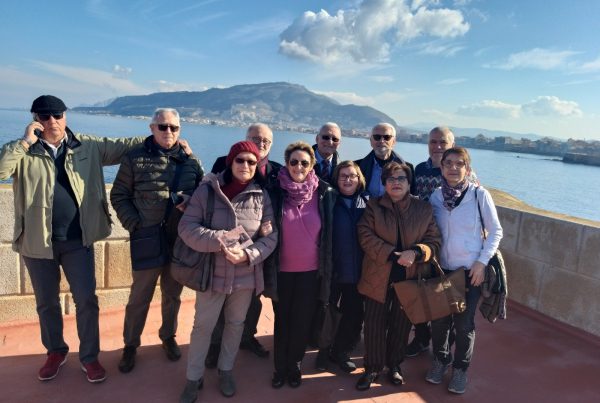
<point x="452" y="193"/>
<point x="297" y="193"/>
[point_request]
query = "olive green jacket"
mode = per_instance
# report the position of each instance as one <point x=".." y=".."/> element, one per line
<point x="33" y="174"/>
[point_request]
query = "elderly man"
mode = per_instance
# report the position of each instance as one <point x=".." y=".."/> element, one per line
<point x="60" y="211"/>
<point x="143" y="195"/>
<point x="383" y="139"/>
<point x="327" y="142"/>
<point x="261" y="135"/>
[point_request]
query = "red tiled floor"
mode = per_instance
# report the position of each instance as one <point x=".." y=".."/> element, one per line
<point x="523" y="359"/>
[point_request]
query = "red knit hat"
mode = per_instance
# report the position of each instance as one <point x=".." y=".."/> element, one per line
<point x="241" y="147"/>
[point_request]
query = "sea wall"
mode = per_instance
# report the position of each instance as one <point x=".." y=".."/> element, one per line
<point x="552" y="265"/>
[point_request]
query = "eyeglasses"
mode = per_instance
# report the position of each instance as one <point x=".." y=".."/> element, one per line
<point x="163" y="128"/>
<point x="242" y="161"/>
<point x="330" y="138"/>
<point x="352" y="177"/>
<point x="304" y="163"/>
<point x="378" y="137"/>
<point x="452" y="164"/>
<point x="396" y="179"/>
<point x="44" y="117"/>
<point x="259" y="141"/>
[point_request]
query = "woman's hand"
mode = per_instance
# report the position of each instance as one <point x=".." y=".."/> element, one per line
<point x="266" y="228"/>
<point x="235" y="255"/>
<point x="406" y="258"/>
<point x="477" y="273"/>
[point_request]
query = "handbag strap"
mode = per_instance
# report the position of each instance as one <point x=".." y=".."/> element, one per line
<point x="210" y="206"/>
<point x="173" y="189"/>
<point x="480" y="216"/>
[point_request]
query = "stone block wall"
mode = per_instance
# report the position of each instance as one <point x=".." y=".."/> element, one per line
<point x="552" y="268"/>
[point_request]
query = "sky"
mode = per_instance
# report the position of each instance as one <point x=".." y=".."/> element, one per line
<point x="524" y="66"/>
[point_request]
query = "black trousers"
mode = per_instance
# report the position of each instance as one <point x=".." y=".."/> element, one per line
<point x="386" y="332"/>
<point x="250" y="323"/>
<point x="294" y="311"/>
<point x="352" y="307"/>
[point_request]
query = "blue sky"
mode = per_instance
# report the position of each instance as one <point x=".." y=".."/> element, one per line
<point x="527" y="66"/>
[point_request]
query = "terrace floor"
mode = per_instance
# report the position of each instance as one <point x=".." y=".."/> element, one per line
<point x="526" y="358"/>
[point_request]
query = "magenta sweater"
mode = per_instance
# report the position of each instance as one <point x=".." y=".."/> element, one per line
<point x="300" y="228"/>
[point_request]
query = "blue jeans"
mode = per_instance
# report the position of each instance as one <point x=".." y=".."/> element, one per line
<point x="464" y="325"/>
<point x="77" y="262"/>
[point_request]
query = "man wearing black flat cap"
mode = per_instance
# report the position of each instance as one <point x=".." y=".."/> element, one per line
<point x="60" y="211"/>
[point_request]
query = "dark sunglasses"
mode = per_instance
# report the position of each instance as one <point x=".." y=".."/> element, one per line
<point x="163" y="128"/>
<point x="304" y="163"/>
<point x="327" y="138"/>
<point x="378" y="137"/>
<point x="241" y="161"/>
<point x="44" y="117"/>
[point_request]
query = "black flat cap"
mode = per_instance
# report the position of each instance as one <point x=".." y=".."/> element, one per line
<point x="48" y="104"/>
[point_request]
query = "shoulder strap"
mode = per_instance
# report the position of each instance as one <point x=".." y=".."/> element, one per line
<point x="480" y="216"/>
<point x="173" y="188"/>
<point x="210" y="206"/>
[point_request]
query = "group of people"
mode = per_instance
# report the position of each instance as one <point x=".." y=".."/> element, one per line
<point x="329" y="239"/>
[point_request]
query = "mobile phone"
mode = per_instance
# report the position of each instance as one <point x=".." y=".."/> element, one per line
<point x="176" y="198"/>
<point x="37" y="132"/>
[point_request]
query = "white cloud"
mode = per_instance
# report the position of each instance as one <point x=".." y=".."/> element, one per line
<point x="549" y="106"/>
<point x="440" y="49"/>
<point x="491" y="108"/>
<point x="537" y="58"/>
<point x="552" y="106"/>
<point x="590" y="67"/>
<point x="368" y="33"/>
<point x="121" y="71"/>
<point x="382" y="79"/>
<point x="258" y="30"/>
<point x="452" y="81"/>
<point x="346" y="98"/>
<point x="169" y="86"/>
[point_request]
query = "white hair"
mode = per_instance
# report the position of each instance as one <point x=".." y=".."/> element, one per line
<point x="385" y="125"/>
<point x="161" y="111"/>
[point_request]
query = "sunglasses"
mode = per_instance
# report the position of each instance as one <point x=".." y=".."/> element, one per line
<point x="395" y="179"/>
<point x="163" y="128"/>
<point x="44" y="117"/>
<point x="378" y="137"/>
<point x="304" y="163"/>
<point x="328" y="138"/>
<point x="242" y="161"/>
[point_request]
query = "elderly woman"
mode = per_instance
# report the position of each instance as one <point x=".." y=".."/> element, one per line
<point x="239" y="199"/>
<point x="396" y="232"/>
<point x="299" y="272"/>
<point x="460" y="208"/>
<point x="349" y="207"/>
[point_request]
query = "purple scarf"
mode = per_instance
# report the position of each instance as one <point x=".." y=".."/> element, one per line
<point x="297" y="193"/>
<point x="452" y="193"/>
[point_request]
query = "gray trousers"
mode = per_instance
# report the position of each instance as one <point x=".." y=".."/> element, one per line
<point x="142" y="291"/>
<point x="208" y="308"/>
<point x="77" y="262"/>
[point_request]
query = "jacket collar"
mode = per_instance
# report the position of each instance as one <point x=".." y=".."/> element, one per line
<point x="176" y="152"/>
<point x="71" y="142"/>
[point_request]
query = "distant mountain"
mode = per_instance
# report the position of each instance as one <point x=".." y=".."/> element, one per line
<point x="280" y="104"/>
<point x="421" y="127"/>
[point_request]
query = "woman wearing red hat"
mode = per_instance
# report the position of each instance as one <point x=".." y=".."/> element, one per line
<point x="239" y="199"/>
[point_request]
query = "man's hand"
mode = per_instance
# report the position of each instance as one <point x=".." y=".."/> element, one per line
<point x="29" y="136"/>
<point x="181" y="206"/>
<point x="235" y="255"/>
<point x="185" y="146"/>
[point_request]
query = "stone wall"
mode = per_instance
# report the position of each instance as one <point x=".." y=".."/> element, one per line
<point x="552" y="265"/>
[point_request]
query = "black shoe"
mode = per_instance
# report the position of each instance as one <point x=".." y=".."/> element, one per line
<point x="366" y="379"/>
<point x="395" y="375"/>
<point x="294" y="378"/>
<point x="321" y="360"/>
<point x="278" y="380"/>
<point x="212" y="358"/>
<point x="171" y="349"/>
<point x="253" y="345"/>
<point x="415" y="348"/>
<point x="343" y="360"/>
<point x="127" y="360"/>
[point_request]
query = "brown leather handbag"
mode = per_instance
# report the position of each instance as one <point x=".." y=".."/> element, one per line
<point x="425" y="300"/>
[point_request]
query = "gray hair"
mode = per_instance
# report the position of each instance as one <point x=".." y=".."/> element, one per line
<point x="385" y="125"/>
<point x="330" y="125"/>
<point x="444" y="130"/>
<point x="257" y="127"/>
<point x="161" y="111"/>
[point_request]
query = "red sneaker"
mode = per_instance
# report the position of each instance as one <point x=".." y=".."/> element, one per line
<point x="94" y="371"/>
<point x="52" y="366"/>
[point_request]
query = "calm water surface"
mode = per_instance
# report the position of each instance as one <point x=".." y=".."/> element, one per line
<point x="538" y="181"/>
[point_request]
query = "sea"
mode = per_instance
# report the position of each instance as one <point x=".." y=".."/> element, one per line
<point x="542" y="182"/>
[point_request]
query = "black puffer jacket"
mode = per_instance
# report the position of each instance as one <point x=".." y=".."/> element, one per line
<point x="141" y="192"/>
